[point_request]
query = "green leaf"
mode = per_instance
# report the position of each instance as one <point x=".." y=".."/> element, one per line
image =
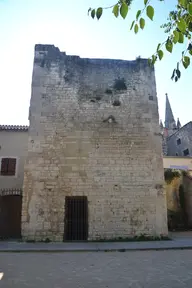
<point x="154" y="58"/>
<point x="178" y="73"/>
<point x="173" y="75"/>
<point x="132" y="25"/>
<point x="176" y="36"/>
<point x="149" y="61"/>
<point x="93" y="13"/>
<point x="190" y="26"/>
<point x="145" y="2"/>
<point x="89" y="10"/>
<point x="142" y="23"/>
<point x="189" y="46"/>
<point x="116" y="10"/>
<point x="99" y="12"/>
<point x="150" y="12"/>
<point x="138" y="14"/>
<point x="136" y="28"/>
<point x="182" y="25"/>
<point x="181" y="38"/>
<point x="186" y="61"/>
<point x="183" y="3"/>
<point x="158" y="46"/>
<point x="160" y="54"/>
<point x="176" y="78"/>
<point x="174" y="41"/>
<point x="169" y="46"/>
<point x="124" y="10"/>
<point x="189" y="8"/>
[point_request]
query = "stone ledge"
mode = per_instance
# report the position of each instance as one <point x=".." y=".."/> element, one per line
<point x="176" y="244"/>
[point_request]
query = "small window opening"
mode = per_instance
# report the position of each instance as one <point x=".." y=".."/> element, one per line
<point x="186" y="152"/>
<point x="178" y="141"/>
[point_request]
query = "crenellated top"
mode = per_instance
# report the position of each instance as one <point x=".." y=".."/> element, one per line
<point x="14" y="128"/>
<point x="44" y="53"/>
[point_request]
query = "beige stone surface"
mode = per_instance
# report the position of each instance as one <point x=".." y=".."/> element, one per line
<point x="74" y="150"/>
<point x="13" y="144"/>
<point x="172" y="194"/>
<point x="187" y="184"/>
<point x="178" y="162"/>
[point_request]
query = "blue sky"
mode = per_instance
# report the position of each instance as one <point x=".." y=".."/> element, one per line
<point x="64" y="23"/>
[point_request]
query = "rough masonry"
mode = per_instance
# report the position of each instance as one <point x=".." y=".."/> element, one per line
<point x="94" y="131"/>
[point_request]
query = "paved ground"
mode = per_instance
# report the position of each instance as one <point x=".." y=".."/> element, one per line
<point x="137" y="269"/>
<point x="183" y="235"/>
<point x="179" y="241"/>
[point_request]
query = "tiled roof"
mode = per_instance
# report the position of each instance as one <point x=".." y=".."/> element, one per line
<point x="14" y="127"/>
<point x="11" y="191"/>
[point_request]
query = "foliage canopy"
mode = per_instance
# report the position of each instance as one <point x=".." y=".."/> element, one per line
<point x="177" y="29"/>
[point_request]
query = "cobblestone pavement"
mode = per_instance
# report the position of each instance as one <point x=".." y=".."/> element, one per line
<point x="136" y="269"/>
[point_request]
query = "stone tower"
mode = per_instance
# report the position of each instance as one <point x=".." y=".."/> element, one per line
<point x="94" y="142"/>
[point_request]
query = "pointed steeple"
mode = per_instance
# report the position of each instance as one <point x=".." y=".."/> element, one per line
<point x="178" y="124"/>
<point x="169" y="118"/>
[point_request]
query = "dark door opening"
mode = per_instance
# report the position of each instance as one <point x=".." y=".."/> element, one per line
<point x="76" y="218"/>
<point x="10" y="216"/>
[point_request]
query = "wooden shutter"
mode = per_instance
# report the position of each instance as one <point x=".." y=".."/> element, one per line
<point x="11" y="166"/>
<point x="4" y="166"/>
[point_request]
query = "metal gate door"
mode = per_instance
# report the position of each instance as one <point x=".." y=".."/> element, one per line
<point x="10" y="216"/>
<point x="76" y="218"/>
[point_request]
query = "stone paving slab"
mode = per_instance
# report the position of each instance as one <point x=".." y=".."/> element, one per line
<point x="177" y="243"/>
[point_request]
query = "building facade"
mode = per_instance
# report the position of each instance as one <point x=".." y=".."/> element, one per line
<point x="177" y="139"/>
<point x="13" y="152"/>
<point x="180" y="143"/>
<point x="94" y="165"/>
<point x="94" y="168"/>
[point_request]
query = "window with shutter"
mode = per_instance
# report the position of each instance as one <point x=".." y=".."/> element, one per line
<point x="4" y="165"/>
<point x="8" y="166"/>
<point x="11" y="166"/>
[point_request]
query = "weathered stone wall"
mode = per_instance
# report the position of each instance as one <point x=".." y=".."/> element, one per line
<point x="164" y="145"/>
<point x="185" y="135"/>
<point x="172" y="194"/>
<point x="81" y="142"/>
<point x="187" y="183"/>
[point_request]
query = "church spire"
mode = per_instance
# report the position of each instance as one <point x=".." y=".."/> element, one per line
<point x="178" y="123"/>
<point x="169" y="118"/>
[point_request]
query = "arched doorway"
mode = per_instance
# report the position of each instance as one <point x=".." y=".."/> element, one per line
<point x="10" y="216"/>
